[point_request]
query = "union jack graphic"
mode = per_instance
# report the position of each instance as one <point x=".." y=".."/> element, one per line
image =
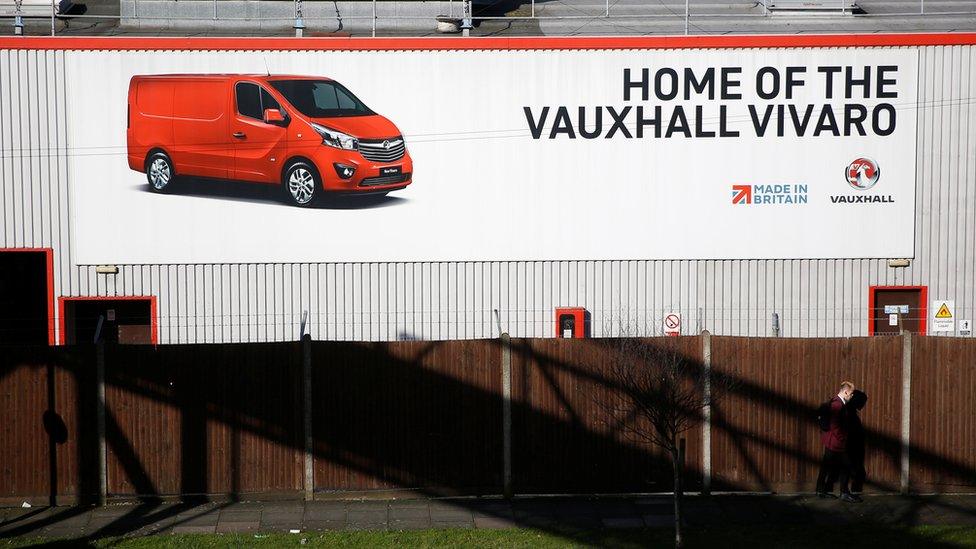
<point x="742" y="194"/>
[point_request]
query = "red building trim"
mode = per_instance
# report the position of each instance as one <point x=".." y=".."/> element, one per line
<point x="153" y="314"/>
<point x="489" y="43"/>
<point x="924" y="298"/>
<point x="49" y="261"/>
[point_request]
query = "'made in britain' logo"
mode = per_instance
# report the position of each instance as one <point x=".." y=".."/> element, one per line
<point x="769" y="194"/>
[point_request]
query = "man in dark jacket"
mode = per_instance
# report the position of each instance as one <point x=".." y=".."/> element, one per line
<point x="834" y="438"/>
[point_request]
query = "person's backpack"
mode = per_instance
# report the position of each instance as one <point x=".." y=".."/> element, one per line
<point x="823" y="416"/>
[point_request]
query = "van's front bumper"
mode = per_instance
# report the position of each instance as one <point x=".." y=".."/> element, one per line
<point x="367" y="177"/>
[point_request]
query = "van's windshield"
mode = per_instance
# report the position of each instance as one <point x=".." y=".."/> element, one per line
<point x="321" y="98"/>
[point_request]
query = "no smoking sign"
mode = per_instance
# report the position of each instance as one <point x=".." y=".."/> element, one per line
<point x="672" y="324"/>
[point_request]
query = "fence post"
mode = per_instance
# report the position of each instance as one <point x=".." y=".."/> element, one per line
<point x="100" y="421"/>
<point x="906" y="408"/>
<point x="707" y="413"/>
<point x="507" y="415"/>
<point x="52" y="441"/>
<point x="308" y="476"/>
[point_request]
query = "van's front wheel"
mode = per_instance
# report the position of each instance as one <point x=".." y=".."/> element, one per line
<point x="160" y="172"/>
<point x="302" y="183"/>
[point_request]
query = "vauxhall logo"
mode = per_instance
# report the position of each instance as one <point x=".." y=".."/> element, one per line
<point x="862" y="174"/>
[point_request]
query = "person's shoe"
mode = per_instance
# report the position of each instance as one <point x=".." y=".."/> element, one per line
<point x="826" y="495"/>
<point x="849" y="498"/>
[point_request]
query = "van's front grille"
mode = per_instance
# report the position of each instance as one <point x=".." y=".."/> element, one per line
<point x="382" y="150"/>
<point x="385" y="180"/>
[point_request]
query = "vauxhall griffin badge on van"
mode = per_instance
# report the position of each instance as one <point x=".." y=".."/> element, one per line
<point x="310" y="135"/>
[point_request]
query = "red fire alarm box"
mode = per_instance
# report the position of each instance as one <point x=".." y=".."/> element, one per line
<point x="572" y="322"/>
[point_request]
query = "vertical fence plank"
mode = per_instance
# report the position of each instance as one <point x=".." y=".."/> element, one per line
<point x="943" y="415"/>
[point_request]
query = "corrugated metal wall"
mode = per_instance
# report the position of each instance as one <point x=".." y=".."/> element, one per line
<point x="381" y="301"/>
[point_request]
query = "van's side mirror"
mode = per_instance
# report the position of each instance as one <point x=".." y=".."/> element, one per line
<point x="274" y="116"/>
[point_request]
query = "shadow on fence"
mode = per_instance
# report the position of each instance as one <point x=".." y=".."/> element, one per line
<point x="193" y="421"/>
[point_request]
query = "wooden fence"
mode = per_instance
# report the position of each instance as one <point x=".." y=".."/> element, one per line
<point x="461" y="417"/>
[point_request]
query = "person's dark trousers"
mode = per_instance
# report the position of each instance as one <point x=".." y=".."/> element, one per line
<point x="857" y="476"/>
<point x="834" y="465"/>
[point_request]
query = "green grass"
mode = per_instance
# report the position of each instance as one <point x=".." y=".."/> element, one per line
<point x="746" y="536"/>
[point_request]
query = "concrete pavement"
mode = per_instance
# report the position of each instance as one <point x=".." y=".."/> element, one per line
<point x="556" y="513"/>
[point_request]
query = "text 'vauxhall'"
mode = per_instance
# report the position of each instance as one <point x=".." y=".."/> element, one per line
<point x="856" y="101"/>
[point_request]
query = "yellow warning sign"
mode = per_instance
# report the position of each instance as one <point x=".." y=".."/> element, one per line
<point x="944" y="312"/>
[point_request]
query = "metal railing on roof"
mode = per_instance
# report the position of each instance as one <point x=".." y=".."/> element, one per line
<point x="463" y="11"/>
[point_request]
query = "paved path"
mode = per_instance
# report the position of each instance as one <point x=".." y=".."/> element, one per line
<point x="412" y="514"/>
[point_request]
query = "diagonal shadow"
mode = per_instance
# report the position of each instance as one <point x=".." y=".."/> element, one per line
<point x="766" y="399"/>
<point x="422" y="416"/>
<point x="134" y="470"/>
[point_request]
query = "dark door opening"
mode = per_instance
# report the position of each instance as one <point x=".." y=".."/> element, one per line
<point x="123" y="320"/>
<point x="24" y="297"/>
<point x="893" y="308"/>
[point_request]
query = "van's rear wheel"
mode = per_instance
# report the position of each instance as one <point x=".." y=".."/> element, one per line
<point x="302" y="183"/>
<point x="160" y="172"/>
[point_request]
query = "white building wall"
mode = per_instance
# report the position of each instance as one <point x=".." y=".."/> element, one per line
<point x="448" y="300"/>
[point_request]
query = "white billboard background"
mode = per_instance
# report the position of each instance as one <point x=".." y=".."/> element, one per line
<point x="484" y="189"/>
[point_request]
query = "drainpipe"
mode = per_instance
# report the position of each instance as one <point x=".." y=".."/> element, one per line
<point x="18" y="19"/>
<point x="299" y="25"/>
<point x="466" y="19"/>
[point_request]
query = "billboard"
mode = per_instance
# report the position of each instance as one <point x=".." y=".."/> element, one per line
<point x="322" y="156"/>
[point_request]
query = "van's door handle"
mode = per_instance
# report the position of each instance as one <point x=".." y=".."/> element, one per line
<point x="240" y="135"/>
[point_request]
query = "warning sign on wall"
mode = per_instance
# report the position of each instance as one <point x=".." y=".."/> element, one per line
<point x="965" y="327"/>
<point x="672" y="324"/>
<point x="944" y="319"/>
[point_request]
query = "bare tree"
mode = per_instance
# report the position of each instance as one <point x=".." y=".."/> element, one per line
<point x="660" y="393"/>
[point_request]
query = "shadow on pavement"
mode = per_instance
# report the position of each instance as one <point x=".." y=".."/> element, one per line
<point x="375" y="390"/>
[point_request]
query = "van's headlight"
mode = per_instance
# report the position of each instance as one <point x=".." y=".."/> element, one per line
<point x="336" y="139"/>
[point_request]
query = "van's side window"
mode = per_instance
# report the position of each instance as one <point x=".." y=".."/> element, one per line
<point x="268" y="102"/>
<point x="253" y="100"/>
<point x="249" y="100"/>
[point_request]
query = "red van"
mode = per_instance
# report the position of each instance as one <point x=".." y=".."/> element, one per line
<point x="308" y="134"/>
